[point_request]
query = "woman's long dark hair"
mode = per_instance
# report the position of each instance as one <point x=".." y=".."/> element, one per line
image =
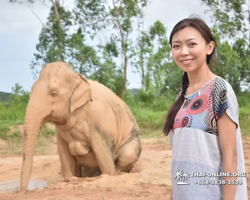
<point x="205" y="31"/>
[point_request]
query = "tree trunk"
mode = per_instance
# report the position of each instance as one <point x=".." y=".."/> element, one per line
<point x="56" y="5"/>
<point x="124" y="43"/>
<point x="124" y="75"/>
<point x="143" y="81"/>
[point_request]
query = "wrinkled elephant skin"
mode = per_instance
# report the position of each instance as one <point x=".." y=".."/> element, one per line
<point x="95" y="129"/>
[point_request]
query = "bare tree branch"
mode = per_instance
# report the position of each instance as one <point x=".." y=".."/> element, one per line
<point x="43" y="2"/>
<point x="35" y="14"/>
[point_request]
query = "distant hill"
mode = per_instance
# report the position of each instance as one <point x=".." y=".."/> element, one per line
<point x="5" y="97"/>
<point x="133" y="91"/>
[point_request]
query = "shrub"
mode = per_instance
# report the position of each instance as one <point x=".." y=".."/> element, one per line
<point x="4" y="129"/>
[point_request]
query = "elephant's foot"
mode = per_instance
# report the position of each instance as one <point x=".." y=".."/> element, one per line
<point x="78" y="170"/>
<point x="128" y="156"/>
<point x="89" y="172"/>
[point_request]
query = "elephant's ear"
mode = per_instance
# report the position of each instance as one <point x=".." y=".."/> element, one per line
<point x="81" y="93"/>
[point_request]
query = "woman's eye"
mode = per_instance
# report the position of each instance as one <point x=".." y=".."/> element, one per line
<point x="192" y="44"/>
<point x="176" y="46"/>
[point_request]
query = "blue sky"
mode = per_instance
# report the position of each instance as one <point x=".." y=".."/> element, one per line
<point x="19" y="32"/>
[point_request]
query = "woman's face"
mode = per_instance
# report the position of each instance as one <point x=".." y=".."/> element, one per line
<point x="190" y="50"/>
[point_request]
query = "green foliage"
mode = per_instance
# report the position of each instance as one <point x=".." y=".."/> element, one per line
<point x="14" y="113"/>
<point x="58" y="43"/>
<point x="64" y="38"/>
<point x="66" y="34"/>
<point x="4" y="129"/>
<point x="242" y="48"/>
<point x="19" y="95"/>
<point x="145" y="96"/>
<point x="244" y="111"/>
<point x="106" y="73"/>
<point x="232" y="62"/>
<point x="16" y="134"/>
<point x="152" y="57"/>
<point x="231" y="21"/>
<point x="53" y="38"/>
<point x="47" y="132"/>
<point x="243" y="99"/>
<point x="82" y="58"/>
<point x="150" y="116"/>
<point x="229" y="16"/>
<point x="98" y="18"/>
<point x="229" y="65"/>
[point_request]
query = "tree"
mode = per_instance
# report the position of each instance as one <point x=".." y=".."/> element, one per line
<point x="153" y="61"/>
<point x="53" y="38"/>
<point x="141" y="55"/>
<point x="242" y="48"/>
<point x="160" y="61"/>
<point x="101" y="18"/>
<point x="232" y="20"/>
<point x="230" y="17"/>
<point x="227" y="62"/>
<point x="81" y="57"/>
<point x="19" y="94"/>
<point x="53" y="35"/>
<point x="59" y="42"/>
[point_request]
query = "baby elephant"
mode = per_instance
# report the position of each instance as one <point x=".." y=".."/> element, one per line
<point x="95" y="129"/>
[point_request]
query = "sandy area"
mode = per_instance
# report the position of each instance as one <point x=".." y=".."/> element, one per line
<point x="150" y="179"/>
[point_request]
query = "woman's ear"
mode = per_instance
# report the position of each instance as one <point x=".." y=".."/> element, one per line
<point x="81" y="93"/>
<point x="210" y="47"/>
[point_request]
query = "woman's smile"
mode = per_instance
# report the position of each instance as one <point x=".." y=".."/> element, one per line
<point x="186" y="61"/>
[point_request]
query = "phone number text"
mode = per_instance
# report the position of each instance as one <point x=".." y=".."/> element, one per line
<point x="218" y="182"/>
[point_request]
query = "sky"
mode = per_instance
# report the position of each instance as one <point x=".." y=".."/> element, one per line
<point x="20" y="29"/>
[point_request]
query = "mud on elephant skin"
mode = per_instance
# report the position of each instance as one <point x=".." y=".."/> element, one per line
<point x="95" y="129"/>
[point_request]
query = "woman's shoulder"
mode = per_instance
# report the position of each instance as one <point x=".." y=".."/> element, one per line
<point x="224" y="98"/>
<point x="222" y="82"/>
<point x="223" y="86"/>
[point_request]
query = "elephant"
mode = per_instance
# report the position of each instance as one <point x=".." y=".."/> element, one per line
<point x="95" y="129"/>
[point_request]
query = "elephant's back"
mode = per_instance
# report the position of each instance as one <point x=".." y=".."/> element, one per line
<point x="101" y="92"/>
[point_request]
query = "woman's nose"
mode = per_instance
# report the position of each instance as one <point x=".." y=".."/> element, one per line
<point x="184" y="51"/>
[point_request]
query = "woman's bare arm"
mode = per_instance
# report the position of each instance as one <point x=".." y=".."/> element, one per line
<point x="227" y="139"/>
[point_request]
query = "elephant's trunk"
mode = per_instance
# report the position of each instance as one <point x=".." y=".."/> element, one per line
<point x="34" y="119"/>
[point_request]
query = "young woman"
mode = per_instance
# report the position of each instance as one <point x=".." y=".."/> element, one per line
<point x="203" y="123"/>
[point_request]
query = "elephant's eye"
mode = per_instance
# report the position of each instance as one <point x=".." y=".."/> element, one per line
<point x="53" y="94"/>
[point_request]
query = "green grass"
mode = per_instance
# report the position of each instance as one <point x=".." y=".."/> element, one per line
<point x="245" y="121"/>
<point x="150" y="117"/>
<point x="244" y="112"/>
<point x="13" y="114"/>
<point x="149" y="121"/>
<point x="14" y="140"/>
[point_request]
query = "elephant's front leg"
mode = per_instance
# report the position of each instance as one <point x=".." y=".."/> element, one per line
<point x="68" y="163"/>
<point x="102" y="152"/>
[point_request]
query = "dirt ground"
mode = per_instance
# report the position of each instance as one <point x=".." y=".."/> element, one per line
<point x="150" y="179"/>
